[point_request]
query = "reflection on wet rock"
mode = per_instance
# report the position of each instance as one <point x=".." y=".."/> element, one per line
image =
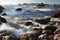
<point x="43" y="21"/>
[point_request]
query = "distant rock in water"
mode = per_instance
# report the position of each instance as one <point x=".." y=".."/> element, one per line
<point x="43" y="21"/>
<point x="1" y="9"/>
<point x="2" y="20"/>
<point x="4" y="14"/>
<point x="40" y="5"/>
<point x="19" y="9"/>
<point x="57" y="14"/>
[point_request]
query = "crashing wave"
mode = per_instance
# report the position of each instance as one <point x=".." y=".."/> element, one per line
<point x="45" y="9"/>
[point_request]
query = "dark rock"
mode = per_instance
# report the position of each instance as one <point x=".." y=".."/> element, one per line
<point x="28" y="23"/>
<point x="57" y="14"/>
<point x="2" y="20"/>
<point x="4" y="14"/>
<point x="28" y="11"/>
<point x="19" y="9"/>
<point x="46" y="37"/>
<point x="51" y="28"/>
<point x="0" y="38"/>
<point x="47" y="32"/>
<point x="40" y="5"/>
<point x="1" y="9"/>
<point x="36" y="35"/>
<point x="43" y="21"/>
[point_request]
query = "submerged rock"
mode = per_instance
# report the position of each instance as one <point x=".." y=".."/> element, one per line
<point x="1" y="9"/>
<point x="2" y="20"/>
<point x="43" y="21"/>
<point x="19" y="9"/>
<point x="4" y="14"/>
<point x="28" y="23"/>
<point x="57" y="14"/>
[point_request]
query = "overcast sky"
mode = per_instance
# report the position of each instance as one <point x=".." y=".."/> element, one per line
<point x="27" y="1"/>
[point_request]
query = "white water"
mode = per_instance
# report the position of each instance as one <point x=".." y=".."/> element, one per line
<point x="45" y="9"/>
<point x="12" y="30"/>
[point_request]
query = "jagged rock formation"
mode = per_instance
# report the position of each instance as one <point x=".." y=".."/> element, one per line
<point x="57" y="14"/>
<point x="1" y="9"/>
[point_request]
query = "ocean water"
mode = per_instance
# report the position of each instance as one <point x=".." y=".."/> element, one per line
<point x="29" y="10"/>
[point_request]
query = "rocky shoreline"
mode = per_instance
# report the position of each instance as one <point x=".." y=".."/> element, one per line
<point x="42" y="29"/>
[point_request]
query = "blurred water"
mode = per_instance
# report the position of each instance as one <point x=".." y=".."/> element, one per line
<point x="28" y="11"/>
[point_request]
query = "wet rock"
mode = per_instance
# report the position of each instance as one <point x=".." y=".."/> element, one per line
<point x="57" y="14"/>
<point x="51" y="28"/>
<point x="25" y="36"/>
<point x="36" y="34"/>
<point x="57" y="37"/>
<point x="0" y="38"/>
<point x="57" y="31"/>
<point x="43" y="21"/>
<point x="8" y="37"/>
<point x="57" y="34"/>
<point x="46" y="37"/>
<point x="19" y="9"/>
<point x="1" y="9"/>
<point x="37" y="29"/>
<point x="4" y="14"/>
<point x="2" y="20"/>
<point x="28" y="23"/>
<point x="4" y="34"/>
<point x="47" y="32"/>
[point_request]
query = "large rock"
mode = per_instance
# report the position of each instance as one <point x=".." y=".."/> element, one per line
<point x="1" y="9"/>
<point x="46" y="32"/>
<point x="25" y="36"/>
<point x="36" y="34"/>
<point x="57" y="31"/>
<point x="51" y="28"/>
<point x="43" y="21"/>
<point x="19" y="9"/>
<point x="2" y="20"/>
<point x="57" y="14"/>
<point x="57" y="34"/>
<point x="46" y="37"/>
